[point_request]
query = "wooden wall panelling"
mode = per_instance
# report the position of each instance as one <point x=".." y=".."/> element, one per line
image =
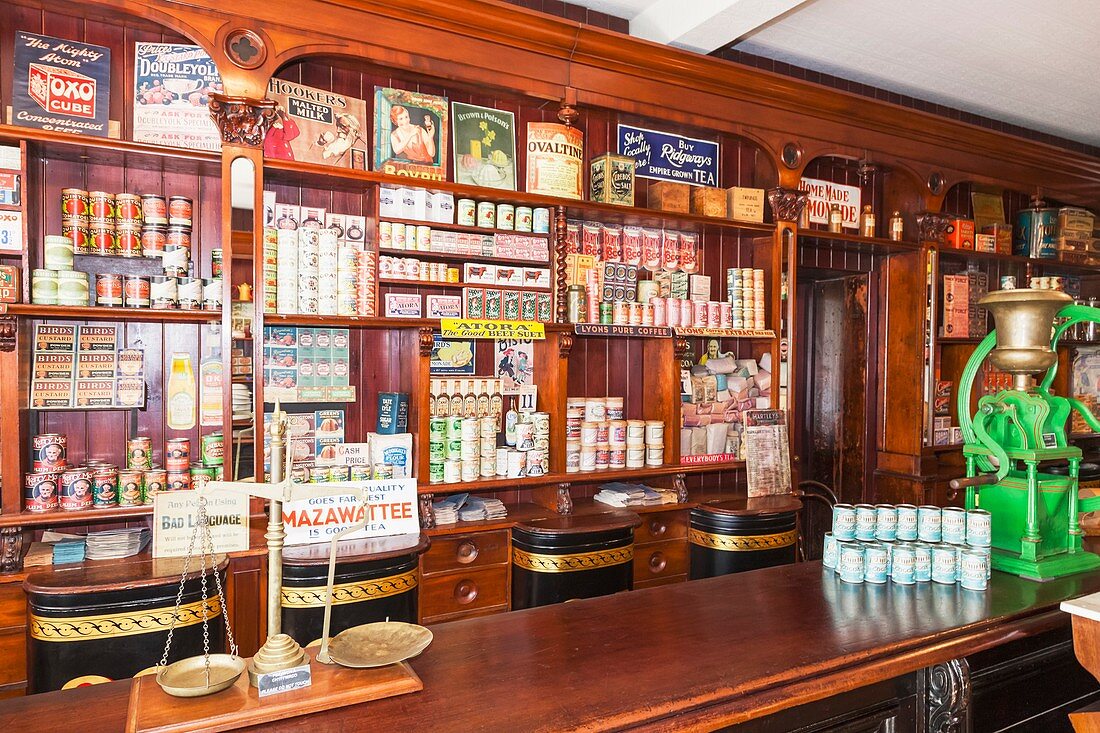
<point x="661" y="401"/>
<point x="901" y="328"/>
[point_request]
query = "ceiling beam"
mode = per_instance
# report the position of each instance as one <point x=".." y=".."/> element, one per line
<point x="705" y="25"/>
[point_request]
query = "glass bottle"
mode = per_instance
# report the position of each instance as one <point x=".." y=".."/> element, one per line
<point x="510" y="419"/>
<point x="897" y="226"/>
<point x="210" y="396"/>
<point x="836" y="219"/>
<point x="469" y="399"/>
<point x="496" y="403"/>
<point x="483" y="398"/>
<point x="181" y="393"/>
<point x="867" y="222"/>
<point x="456" y="398"/>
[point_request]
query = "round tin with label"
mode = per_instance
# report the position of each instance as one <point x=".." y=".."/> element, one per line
<point x="943" y="564"/>
<point x="829" y="551"/>
<point x="177" y="454"/>
<point x="74" y="202"/>
<point x="903" y="564"/>
<point x="77" y="231"/>
<point x="907" y="522"/>
<point x="886" y="522"/>
<point x="201" y="475"/>
<point x="486" y="214"/>
<point x="929" y="528"/>
<point x="979" y="531"/>
<point x="106" y="487"/>
<point x="178" y="480"/>
<point x="154" y="238"/>
<point x="466" y="212"/>
<point x="50" y="451"/>
<point x="540" y="220"/>
<point x="212" y="294"/>
<point x="108" y="290"/>
<point x="76" y="489"/>
<point x="922" y="562"/>
<point x="128" y="241"/>
<point x="213" y="449"/>
<point x="128" y="209"/>
<point x="135" y="291"/>
<point x="101" y="206"/>
<point x="179" y="210"/>
<point x="850" y="562"/>
<point x="188" y="293"/>
<point x="156" y="481"/>
<point x="131" y="487"/>
<point x="506" y="217"/>
<point x="162" y="291"/>
<point x="524" y="219"/>
<point x="866" y="521"/>
<point x="973" y="567"/>
<point x="875" y="563"/>
<point x="154" y="209"/>
<point x="844" y="522"/>
<point x="102" y="239"/>
<point x="139" y="452"/>
<point x="40" y="491"/>
<point x="953" y="525"/>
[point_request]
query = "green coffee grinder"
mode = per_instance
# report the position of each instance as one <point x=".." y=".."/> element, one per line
<point x="1036" y="533"/>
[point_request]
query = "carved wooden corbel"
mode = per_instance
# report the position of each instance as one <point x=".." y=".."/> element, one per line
<point x="242" y="121"/>
<point x="932" y="227"/>
<point x="565" y="345"/>
<point x="787" y="203"/>
<point x="11" y="549"/>
<point x="678" y="483"/>
<point x="427" y="341"/>
<point x="427" y="517"/>
<point x="8" y="330"/>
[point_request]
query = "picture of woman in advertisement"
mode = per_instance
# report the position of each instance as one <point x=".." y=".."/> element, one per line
<point x="414" y="143"/>
<point x="283" y="130"/>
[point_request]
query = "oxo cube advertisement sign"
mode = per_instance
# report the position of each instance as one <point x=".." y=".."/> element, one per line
<point x="61" y="85"/>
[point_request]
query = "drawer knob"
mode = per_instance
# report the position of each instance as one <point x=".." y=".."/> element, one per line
<point x="657" y="527"/>
<point x="467" y="552"/>
<point x="466" y="592"/>
<point x="657" y="562"/>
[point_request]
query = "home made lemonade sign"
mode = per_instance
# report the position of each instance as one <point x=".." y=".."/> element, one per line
<point x="823" y="194"/>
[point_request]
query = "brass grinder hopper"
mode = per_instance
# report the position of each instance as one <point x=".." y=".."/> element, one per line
<point x="1024" y="320"/>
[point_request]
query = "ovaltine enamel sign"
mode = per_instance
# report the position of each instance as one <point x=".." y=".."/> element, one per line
<point x="824" y="194"/>
<point x="390" y="508"/>
<point x="61" y="85"/>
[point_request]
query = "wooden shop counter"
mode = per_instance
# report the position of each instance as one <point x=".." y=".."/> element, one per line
<point x="790" y="642"/>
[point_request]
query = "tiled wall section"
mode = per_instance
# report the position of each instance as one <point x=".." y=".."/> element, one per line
<point x="621" y="25"/>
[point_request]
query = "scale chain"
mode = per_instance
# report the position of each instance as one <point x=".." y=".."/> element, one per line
<point x="179" y="598"/>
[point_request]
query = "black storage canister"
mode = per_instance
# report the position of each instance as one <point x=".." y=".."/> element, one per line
<point x="742" y="534"/>
<point x="87" y="626"/>
<point x="562" y="558"/>
<point x="375" y="579"/>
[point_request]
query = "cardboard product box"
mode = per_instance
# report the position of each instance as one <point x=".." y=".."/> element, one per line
<point x="51" y="393"/>
<point x="941" y="437"/>
<point x="10" y="292"/>
<point x="130" y="392"/>
<point x="322" y="371"/>
<point x="977" y="288"/>
<point x="476" y="274"/>
<point x="95" y="365"/>
<point x="393" y="413"/>
<point x="707" y="201"/>
<point x="678" y="285"/>
<point x="511" y="305"/>
<point x="98" y="338"/>
<point x="745" y="204"/>
<point x="401" y="305"/>
<point x="536" y="277"/>
<point x="956" y="306"/>
<point x="443" y="207"/>
<point x="528" y="306"/>
<point x="509" y="275"/>
<point x="700" y="287"/>
<point x="1075" y="223"/>
<point x="313" y="217"/>
<point x="474" y="303"/>
<point x="288" y="216"/>
<point x="444" y="306"/>
<point x="669" y="196"/>
<point x="544" y="306"/>
<point x="941" y="423"/>
<point x="53" y="365"/>
<point x="956" y="435"/>
<point x="1003" y="235"/>
<point x="130" y="363"/>
<point x="611" y="179"/>
<point x="960" y="234"/>
<point x="494" y="303"/>
<point x="94" y="393"/>
<point x="306" y="369"/>
<point x="985" y="243"/>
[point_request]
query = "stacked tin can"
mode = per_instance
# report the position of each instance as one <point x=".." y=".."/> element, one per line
<point x="597" y="436"/>
<point x="909" y="544"/>
<point x="745" y="287"/>
<point x="466" y="448"/>
<point x="309" y="270"/>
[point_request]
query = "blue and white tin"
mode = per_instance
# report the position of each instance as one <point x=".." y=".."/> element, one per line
<point x="979" y="528"/>
<point x="943" y="564"/>
<point x="886" y="518"/>
<point x="844" y="522"/>
<point x="928" y="524"/>
<point x="876" y="563"/>
<point x="953" y="525"/>
<point x="903" y="564"/>
<point x="828" y="554"/>
<point x="850" y="562"/>
<point x="922" y="562"/>
<point x="907" y="523"/>
<point x="866" y="520"/>
<point x="988" y="555"/>
<point x="973" y="570"/>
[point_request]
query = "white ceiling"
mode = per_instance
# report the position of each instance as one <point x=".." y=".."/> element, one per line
<point x="1028" y="62"/>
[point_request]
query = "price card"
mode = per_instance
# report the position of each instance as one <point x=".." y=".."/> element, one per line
<point x="11" y="231"/>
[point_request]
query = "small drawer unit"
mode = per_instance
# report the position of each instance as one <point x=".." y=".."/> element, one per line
<point x="464" y="575"/>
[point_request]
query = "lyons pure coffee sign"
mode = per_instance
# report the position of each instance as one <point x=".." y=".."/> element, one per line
<point x="666" y="157"/>
<point x="61" y="85"/>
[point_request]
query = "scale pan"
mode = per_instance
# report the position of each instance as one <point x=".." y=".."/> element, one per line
<point x="378" y="644"/>
<point x="187" y="677"/>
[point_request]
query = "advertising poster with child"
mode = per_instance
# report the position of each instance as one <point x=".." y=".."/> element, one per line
<point x="172" y="86"/>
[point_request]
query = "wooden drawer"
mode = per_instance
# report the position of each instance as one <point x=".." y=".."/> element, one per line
<point x="462" y="592"/>
<point x="13" y="655"/>
<point x="13" y="605"/>
<point x="460" y="552"/>
<point x="661" y="526"/>
<point x="669" y="580"/>
<point x="659" y="560"/>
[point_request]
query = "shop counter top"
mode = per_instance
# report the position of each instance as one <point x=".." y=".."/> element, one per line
<point x="701" y="654"/>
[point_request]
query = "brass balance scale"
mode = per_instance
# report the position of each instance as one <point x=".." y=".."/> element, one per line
<point x="360" y="647"/>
